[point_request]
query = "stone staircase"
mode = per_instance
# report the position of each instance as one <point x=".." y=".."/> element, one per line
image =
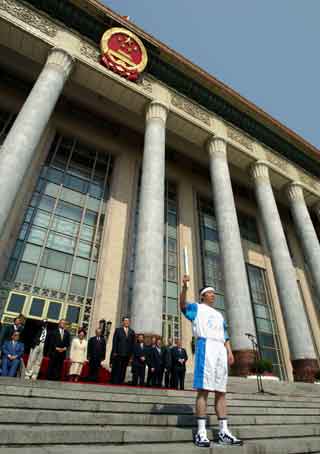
<point x="46" y="417"/>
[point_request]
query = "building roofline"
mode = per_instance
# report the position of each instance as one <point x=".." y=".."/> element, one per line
<point x="205" y="78"/>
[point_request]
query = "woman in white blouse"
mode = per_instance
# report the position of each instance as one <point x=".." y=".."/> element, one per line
<point x="78" y="355"/>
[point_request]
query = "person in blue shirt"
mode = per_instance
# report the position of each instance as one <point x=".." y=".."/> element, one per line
<point x="212" y="358"/>
<point x="12" y="351"/>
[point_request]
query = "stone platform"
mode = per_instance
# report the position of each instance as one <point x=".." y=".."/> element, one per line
<point x="46" y="417"/>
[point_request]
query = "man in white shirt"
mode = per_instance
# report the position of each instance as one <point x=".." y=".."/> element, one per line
<point x="213" y="355"/>
<point x="37" y="352"/>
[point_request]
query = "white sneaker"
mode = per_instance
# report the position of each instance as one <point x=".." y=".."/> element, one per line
<point x="201" y="440"/>
<point x="226" y="438"/>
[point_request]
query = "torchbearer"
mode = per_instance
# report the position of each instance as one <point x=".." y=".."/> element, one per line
<point x="212" y="357"/>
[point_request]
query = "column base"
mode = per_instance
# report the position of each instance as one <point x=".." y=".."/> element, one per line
<point x="304" y="370"/>
<point x="243" y="362"/>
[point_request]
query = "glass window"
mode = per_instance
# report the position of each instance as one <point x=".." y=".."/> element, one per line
<point x="57" y="260"/>
<point x="75" y="183"/>
<point x="31" y="253"/>
<point x="261" y="311"/>
<point x="18" y="249"/>
<point x="37" y="235"/>
<point x="84" y="249"/>
<point x="172" y="290"/>
<point x="81" y="266"/>
<point x="54" y="175"/>
<point x="172" y="306"/>
<point x="264" y="325"/>
<point x="91" y="288"/>
<point x="52" y="279"/>
<point x="73" y="313"/>
<point x="172" y="274"/>
<point x="172" y="232"/>
<point x="29" y="214"/>
<point x="78" y="285"/>
<point x="172" y="245"/>
<point x="212" y="246"/>
<point x="65" y="226"/>
<point x="87" y="232"/>
<point x="209" y="221"/>
<point x="266" y="340"/>
<point x="36" y="308"/>
<point x="46" y="203"/>
<point x="51" y="189"/>
<point x="42" y="218"/>
<point x="26" y="272"/>
<point x="93" y="204"/>
<point x="54" y="310"/>
<point x="210" y="235"/>
<point x="90" y="217"/>
<point x="93" y="271"/>
<point x="69" y="211"/>
<point x="23" y="231"/>
<point x="16" y="303"/>
<point x="72" y="196"/>
<point x="96" y="190"/>
<point x="61" y="243"/>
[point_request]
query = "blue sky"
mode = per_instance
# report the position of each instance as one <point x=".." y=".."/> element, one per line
<point x="267" y="50"/>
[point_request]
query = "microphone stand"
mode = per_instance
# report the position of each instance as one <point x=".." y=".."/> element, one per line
<point x="256" y="355"/>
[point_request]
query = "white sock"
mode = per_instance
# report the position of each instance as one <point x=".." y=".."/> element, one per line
<point x="223" y="424"/>
<point x="202" y="425"/>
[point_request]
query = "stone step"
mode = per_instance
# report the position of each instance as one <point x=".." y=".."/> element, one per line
<point x="47" y="435"/>
<point x="263" y="446"/>
<point x="236" y="385"/>
<point x="87" y="394"/>
<point x="141" y="408"/>
<point x="22" y="416"/>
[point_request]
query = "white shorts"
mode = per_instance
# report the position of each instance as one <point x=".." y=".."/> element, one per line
<point x="211" y="365"/>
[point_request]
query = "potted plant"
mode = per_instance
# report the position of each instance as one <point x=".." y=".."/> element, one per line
<point x="317" y="376"/>
<point x="263" y="367"/>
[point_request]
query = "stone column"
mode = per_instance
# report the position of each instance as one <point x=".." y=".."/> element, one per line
<point x="299" y="336"/>
<point x="148" y="276"/>
<point x="20" y="144"/>
<point x="306" y="232"/>
<point x="237" y="295"/>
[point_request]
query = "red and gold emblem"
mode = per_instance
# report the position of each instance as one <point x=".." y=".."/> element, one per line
<point x="123" y="52"/>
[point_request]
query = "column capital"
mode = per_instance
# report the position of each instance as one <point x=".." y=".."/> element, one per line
<point x="157" y="109"/>
<point x="61" y="60"/>
<point x="259" y="171"/>
<point x="217" y="145"/>
<point x="294" y="191"/>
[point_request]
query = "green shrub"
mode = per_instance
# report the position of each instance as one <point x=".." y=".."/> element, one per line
<point x="262" y="365"/>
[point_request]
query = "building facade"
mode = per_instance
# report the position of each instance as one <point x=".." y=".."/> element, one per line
<point x="107" y="179"/>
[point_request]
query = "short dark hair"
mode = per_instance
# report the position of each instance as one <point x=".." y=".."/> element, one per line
<point x="82" y="330"/>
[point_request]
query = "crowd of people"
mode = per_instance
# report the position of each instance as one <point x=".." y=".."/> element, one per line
<point x="152" y="363"/>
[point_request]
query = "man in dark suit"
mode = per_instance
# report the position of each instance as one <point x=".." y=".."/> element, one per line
<point x="122" y="350"/>
<point x="8" y="330"/>
<point x="167" y="361"/>
<point x="12" y="351"/>
<point x="96" y="353"/>
<point x="59" y="343"/>
<point x="157" y="363"/>
<point x="179" y="359"/>
<point x="139" y="361"/>
<point x="151" y="375"/>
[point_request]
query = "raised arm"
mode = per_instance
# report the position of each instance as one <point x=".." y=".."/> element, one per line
<point x="184" y="290"/>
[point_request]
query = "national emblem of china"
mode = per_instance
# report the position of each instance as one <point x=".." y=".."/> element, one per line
<point x="123" y="52"/>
